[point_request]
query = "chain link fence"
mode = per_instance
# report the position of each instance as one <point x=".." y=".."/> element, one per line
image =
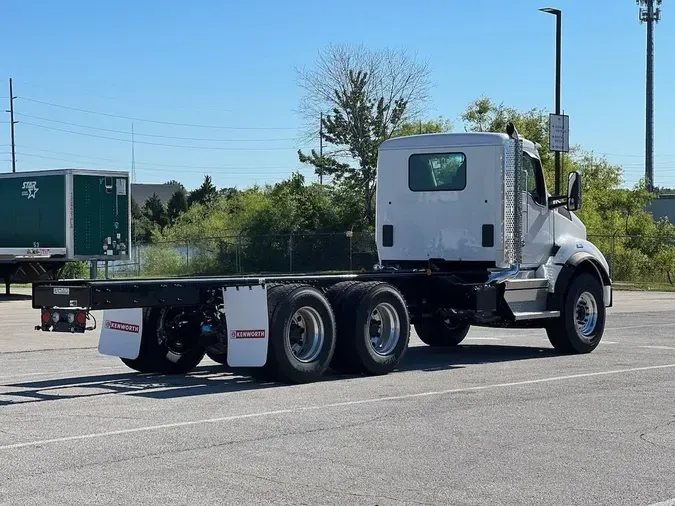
<point x="239" y="254"/>
<point x="634" y="259"/>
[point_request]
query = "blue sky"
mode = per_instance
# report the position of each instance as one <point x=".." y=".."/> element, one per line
<point x="231" y="64"/>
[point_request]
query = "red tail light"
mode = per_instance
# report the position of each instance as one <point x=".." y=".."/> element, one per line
<point x="46" y="316"/>
<point x="81" y="318"/>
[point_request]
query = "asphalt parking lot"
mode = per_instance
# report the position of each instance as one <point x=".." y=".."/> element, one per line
<point x="500" y="420"/>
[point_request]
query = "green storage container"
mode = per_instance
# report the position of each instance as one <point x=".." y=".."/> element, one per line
<point x="74" y="214"/>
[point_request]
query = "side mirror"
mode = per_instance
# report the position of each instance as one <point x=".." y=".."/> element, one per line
<point x="574" y="191"/>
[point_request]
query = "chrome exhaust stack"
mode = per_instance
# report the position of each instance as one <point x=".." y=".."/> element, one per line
<point x="512" y="208"/>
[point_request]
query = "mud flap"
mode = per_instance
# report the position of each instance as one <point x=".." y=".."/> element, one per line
<point x="121" y="331"/>
<point x="247" y="325"/>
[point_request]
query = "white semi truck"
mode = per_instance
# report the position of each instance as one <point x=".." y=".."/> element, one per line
<point x="467" y="234"/>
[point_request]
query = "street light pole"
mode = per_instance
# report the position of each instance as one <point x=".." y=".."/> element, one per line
<point x="558" y="65"/>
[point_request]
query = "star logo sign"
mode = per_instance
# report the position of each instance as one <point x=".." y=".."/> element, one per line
<point x="29" y="189"/>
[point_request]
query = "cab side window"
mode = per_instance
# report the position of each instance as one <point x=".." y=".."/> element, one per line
<point x="535" y="179"/>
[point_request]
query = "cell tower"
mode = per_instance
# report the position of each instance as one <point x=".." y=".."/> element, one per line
<point x="650" y="13"/>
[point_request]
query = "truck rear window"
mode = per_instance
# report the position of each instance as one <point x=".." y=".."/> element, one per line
<point x="437" y="172"/>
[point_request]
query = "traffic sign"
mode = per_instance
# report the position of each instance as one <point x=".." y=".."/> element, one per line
<point x="559" y="132"/>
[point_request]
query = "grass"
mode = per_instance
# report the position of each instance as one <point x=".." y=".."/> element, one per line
<point x="643" y="286"/>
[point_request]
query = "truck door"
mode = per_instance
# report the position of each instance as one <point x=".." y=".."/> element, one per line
<point x="537" y="222"/>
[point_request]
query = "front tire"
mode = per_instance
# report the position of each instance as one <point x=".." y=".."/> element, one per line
<point x="582" y="319"/>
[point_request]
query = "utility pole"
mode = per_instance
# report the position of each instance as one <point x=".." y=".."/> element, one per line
<point x="321" y="147"/>
<point x="650" y="13"/>
<point x="12" y="123"/>
<point x="558" y="76"/>
<point x="133" y="156"/>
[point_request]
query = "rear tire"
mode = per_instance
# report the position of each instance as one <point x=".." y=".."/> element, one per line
<point x="217" y="357"/>
<point x="373" y="328"/>
<point x="166" y="348"/>
<point x="302" y="335"/>
<point x="438" y="332"/>
<point x="581" y="324"/>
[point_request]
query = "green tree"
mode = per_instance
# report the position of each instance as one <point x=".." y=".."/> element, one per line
<point x="206" y="194"/>
<point x="485" y="115"/>
<point x="141" y="226"/>
<point x="434" y="126"/>
<point x="370" y="95"/>
<point x="156" y="212"/>
<point x="177" y="205"/>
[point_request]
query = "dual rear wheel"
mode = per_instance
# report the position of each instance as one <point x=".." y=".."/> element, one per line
<point x="355" y="327"/>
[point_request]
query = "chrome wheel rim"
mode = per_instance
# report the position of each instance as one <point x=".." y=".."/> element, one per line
<point x="586" y="315"/>
<point x="306" y="334"/>
<point x="385" y="329"/>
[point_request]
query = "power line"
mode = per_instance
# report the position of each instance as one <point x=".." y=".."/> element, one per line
<point x="215" y="127"/>
<point x="205" y="139"/>
<point x="106" y="97"/>
<point x="117" y="160"/>
<point x="662" y="155"/>
<point x="79" y="159"/>
<point x="217" y="148"/>
<point x="195" y="169"/>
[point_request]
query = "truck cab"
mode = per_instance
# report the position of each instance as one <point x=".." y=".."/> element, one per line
<point x="443" y="197"/>
<point x="476" y="204"/>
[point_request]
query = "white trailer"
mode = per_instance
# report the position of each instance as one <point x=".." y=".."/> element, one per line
<point x="467" y="234"/>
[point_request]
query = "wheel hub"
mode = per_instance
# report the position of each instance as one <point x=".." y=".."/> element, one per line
<point x="306" y="334"/>
<point x="385" y="329"/>
<point x="586" y="315"/>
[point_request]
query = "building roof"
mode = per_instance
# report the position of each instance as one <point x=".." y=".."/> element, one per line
<point x="141" y="192"/>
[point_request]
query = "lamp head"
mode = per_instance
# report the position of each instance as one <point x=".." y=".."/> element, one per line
<point x="551" y="10"/>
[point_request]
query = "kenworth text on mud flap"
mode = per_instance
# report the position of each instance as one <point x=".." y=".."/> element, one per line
<point x="466" y="235"/>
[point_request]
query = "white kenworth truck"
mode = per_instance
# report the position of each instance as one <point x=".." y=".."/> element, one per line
<point x="466" y="234"/>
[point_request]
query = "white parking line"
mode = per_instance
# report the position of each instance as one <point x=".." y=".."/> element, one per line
<point x="319" y="407"/>
<point x="669" y="502"/>
<point x="641" y="326"/>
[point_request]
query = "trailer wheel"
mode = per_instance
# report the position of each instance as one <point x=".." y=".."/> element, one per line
<point x="373" y="329"/>
<point x="440" y="332"/>
<point x="581" y="324"/>
<point x="217" y="356"/>
<point x="169" y="343"/>
<point x="302" y="334"/>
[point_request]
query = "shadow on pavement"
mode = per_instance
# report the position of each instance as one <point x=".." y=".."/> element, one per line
<point x="13" y="297"/>
<point x="218" y="379"/>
